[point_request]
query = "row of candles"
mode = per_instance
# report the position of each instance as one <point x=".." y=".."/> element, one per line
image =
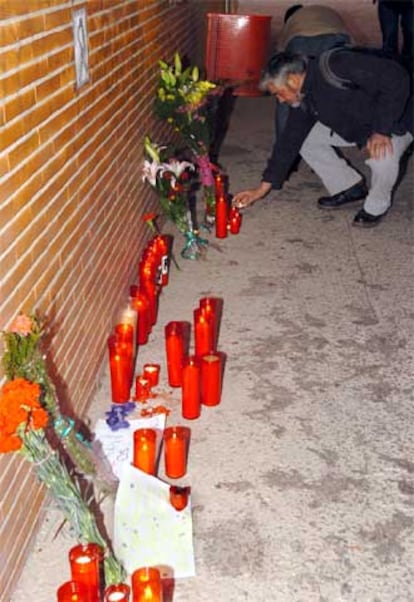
<point x="85" y="584"/>
<point x="227" y="219"/>
<point x="200" y="377"/>
<point x="198" y="374"/>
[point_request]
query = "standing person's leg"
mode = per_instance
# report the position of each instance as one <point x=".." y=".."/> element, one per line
<point x="338" y="177"/>
<point x="388" y="18"/>
<point x="384" y="176"/>
<point x="407" y="24"/>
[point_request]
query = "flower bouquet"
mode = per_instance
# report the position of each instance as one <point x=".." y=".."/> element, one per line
<point x="171" y="179"/>
<point x="31" y="424"/>
<point x="183" y="100"/>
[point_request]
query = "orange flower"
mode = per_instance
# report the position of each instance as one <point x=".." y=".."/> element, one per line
<point x="22" y="325"/>
<point x="19" y="406"/>
<point x="149" y="217"/>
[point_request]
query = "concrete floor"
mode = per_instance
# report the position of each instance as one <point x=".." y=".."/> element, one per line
<point x="303" y="478"/>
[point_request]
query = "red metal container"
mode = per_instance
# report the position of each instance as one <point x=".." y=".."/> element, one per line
<point x="237" y="50"/>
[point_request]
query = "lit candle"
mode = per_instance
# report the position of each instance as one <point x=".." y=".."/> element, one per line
<point x="145" y="450"/>
<point x="191" y="388"/>
<point x="174" y="345"/>
<point x="203" y="332"/>
<point x="235" y="219"/>
<point x="142" y="388"/>
<point x="164" y="244"/>
<point x="221" y="217"/>
<point x="211" y="369"/>
<point x="71" y="592"/>
<point x="84" y="565"/>
<point x="146" y="585"/>
<point x="152" y="373"/>
<point x="117" y="593"/>
<point x="124" y="334"/>
<point x="213" y="308"/>
<point x="179" y="497"/>
<point x="219" y="182"/>
<point x="120" y="362"/>
<point x="176" y="440"/>
<point x="129" y="315"/>
<point x="140" y="302"/>
<point x="151" y="290"/>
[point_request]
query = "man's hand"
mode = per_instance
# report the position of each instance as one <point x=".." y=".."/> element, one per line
<point x="247" y="197"/>
<point x="378" y="146"/>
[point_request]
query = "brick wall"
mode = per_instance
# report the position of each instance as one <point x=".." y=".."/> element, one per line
<point x="71" y="197"/>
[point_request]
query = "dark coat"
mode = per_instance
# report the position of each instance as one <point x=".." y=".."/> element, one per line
<point x="376" y="100"/>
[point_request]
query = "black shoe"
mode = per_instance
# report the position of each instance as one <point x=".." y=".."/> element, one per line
<point x="366" y="220"/>
<point x="355" y="193"/>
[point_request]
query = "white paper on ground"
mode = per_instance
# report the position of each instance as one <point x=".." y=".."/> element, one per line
<point x="148" y="530"/>
<point x="118" y="446"/>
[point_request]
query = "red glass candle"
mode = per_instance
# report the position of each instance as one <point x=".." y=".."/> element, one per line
<point x="145" y="442"/>
<point x="221" y="217"/>
<point x="203" y="332"/>
<point x="142" y="388"/>
<point x="219" y="184"/>
<point x="179" y="497"/>
<point x="152" y="373"/>
<point x="124" y="334"/>
<point x="191" y="390"/>
<point x="235" y="220"/>
<point x="151" y="290"/>
<point x="71" y="592"/>
<point x="117" y="593"/>
<point x="211" y="369"/>
<point x="140" y="302"/>
<point x="146" y="585"/>
<point x="120" y="365"/>
<point x="164" y="243"/>
<point x="84" y="565"/>
<point x="176" y="440"/>
<point x="174" y="345"/>
<point x="213" y="308"/>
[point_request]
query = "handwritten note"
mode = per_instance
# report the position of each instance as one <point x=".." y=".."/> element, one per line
<point x="148" y="530"/>
<point x="117" y="446"/>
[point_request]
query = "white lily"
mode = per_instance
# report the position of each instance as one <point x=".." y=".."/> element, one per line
<point x="176" y="167"/>
<point x="150" y="171"/>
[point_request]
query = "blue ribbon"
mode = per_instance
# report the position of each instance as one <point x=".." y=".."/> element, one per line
<point x="64" y="426"/>
<point x="193" y="246"/>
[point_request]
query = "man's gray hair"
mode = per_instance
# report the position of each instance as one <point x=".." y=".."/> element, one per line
<point x="280" y="66"/>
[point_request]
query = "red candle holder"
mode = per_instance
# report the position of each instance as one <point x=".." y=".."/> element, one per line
<point x="84" y="562"/>
<point x="140" y="302"/>
<point x="146" y="585"/>
<point x="120" y="365"/>
<point x="211" y="379"/>
<point x="174" y="345"/>
<point x="219" y="184"/>
<point x="203" y="332"/>
<point x="191" y="388"/>
<point x="145" y="444"/>
<point x="213" y="308"/>
<point x="142" y="388"/>
<point x="235" y="220"/>
<point x="152" y="373"/>
<point x="179" y="497"/>
<point x="117" y="593"/>
<point x="151" y="290"/>
<point x="176" y="440"/>
<point x="71" y="591"/>
<point x="221" y="217"/>
<point x="164" y="245"/>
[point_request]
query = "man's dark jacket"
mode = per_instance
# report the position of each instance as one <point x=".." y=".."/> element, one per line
<point x="375" y="98"/>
